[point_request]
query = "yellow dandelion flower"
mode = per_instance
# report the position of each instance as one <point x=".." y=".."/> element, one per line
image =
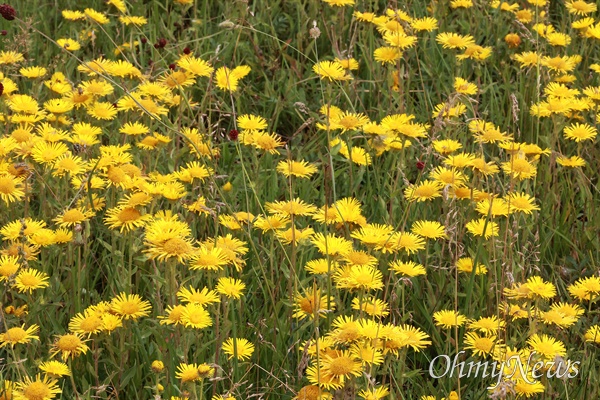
<point x="68" y="345"/>
<point x="130" y="306"/>
<point x="29" y="279"/>
<point x="479" y="345"/>
<point x="55" y="369"/>
<point x="73" y="217"/>
<point x="240" y="348"/>
<point x="69" y="44"/>
<point x="312" y="303"/>
<point x="195" y="316"/>
<point x="387" y="55"/>
<point x="230" y="287"/>
<point x="547" y="346"/>
<point x="19" y="335"/>
<point x="11" y="188"/>
<point x="331" y="70"/>
<point x="37" y="388"/>
<point x="450" y="40"/>
<point x="96" y="16"/>
<point x="133" y="20"/>
<point x="449" y="318"/>
<point x="408" y="268"/>
<point x="202" y="297"/>
<point x="33" y="72"/>
<point x="465" y="265"/>
<point x="483" y="227"/>
<point x="174" y="315"/>
<point x="228" y="80"/>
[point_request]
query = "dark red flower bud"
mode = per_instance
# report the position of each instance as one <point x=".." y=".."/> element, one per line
<point x="3" y="33"/>
<point x="233" y="134"/>
<point x="162" y="42"/>
<point x="420" y="165"/>
<point x="144" y="40"/>
<point x="1" y="88"/>
<point x="8" y="12"/>
<point x="187" y="51"/>
<point x="156" y="46"/>
<point x="172" y="66"/>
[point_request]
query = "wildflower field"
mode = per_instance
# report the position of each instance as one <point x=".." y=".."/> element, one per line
<point x="299" y="199"/>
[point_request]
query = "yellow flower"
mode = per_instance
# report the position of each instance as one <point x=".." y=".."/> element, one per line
<point x="174" y="315"/>
<point x="195" y="316"/>
<point x="133" y="20"/>
<point x="73" y="217"/>
<point x="580" y="7"/>
<point x="230" y="287"/>
<point x="450" y="40"/>
<point x="187" y="373"/>
<point x="157" y="366"/>
<point x="239" y="348"/>
<point x="449" y="318"/>
<point x="408" y="268"/>
<point x="266" y="141"/>
<point x="10" y="57"/>
<point x="593" y="334"/>
<point x="202" y="297"/>
<point x="360" y="277"/>
<point x="86" y="323"/>
<point x="312" y="303"/>
<point x="8" y="266"/>
<point x="332" y="70"/>
<point x="465" y="265"/>
<point x="125" y="219"/>
<point x="11" y="188"/>
<point x="195" y="66"/>
<point x="33" y="72"/>
<point x="130" y="306"/>
<point x="228" y="80"/>
<point x="73" y="15"/>
<point x="424" y="24"/>
<point x="30" y="279"/>
<point x="463" y="86"/>
<point x="36" y="389"/>
<point x="487" y="325"/>
<point x="167" y="237"/>
<point x="69" y="345"/>
<point x="389" y="55"/>
<point x="399" y="40"/>
<point x="69" y="44"/>
<point x="18" y="334"/>
<point x="547" y="346"/>
<point x="580" y="132"/>
<point x="331" y="244"/>
<point x="480" y="345"/>
<point x="55" y="369"/>
<point x="572" y="162"/>
<point x="424" y="191"/>
<point x="102" y="111"/>
<point x="483" y="227"/>
<point x="339" y="3"/>
<point x="537" y="287"/>
<point x="300" y="169"/>
<point x="96" y="16"/>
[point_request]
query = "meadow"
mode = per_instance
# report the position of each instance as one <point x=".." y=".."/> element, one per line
<point x="299" y="199"/>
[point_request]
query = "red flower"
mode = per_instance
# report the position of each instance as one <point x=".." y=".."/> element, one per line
<point x="8" y="12"/>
